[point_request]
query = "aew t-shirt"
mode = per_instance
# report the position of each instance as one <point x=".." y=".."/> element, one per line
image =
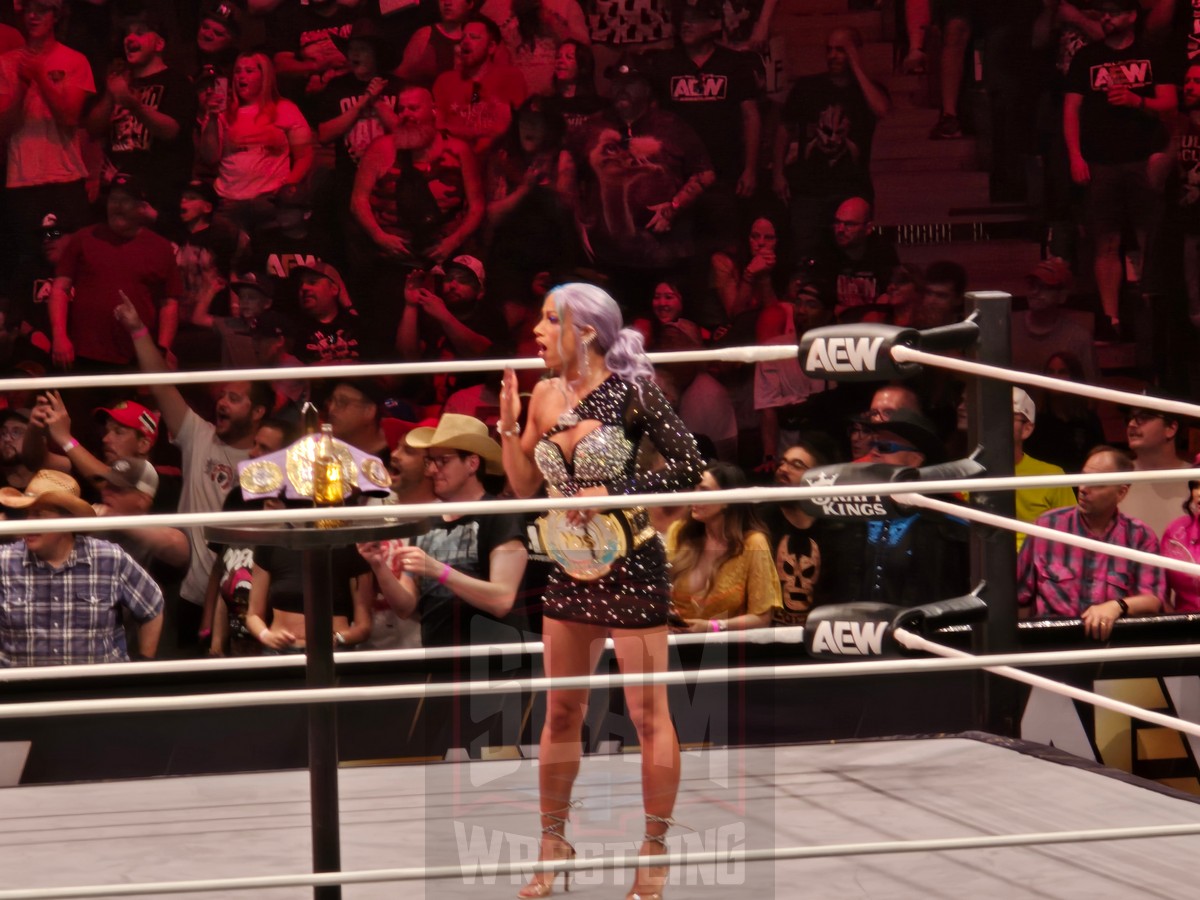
<point x="709" y="98"/>
<point x="342" y="94"/>
<point x="1117" y="134"/>
<point x="1186" y="183"/>
<point x="163" y="166"/>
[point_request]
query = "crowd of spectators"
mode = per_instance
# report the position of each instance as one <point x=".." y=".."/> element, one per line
<point x="211" y="185"/>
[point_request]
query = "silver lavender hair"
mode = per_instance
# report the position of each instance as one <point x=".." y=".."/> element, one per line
<point x="624" y="349"/>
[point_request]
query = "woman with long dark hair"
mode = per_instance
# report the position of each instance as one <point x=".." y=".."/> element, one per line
<point x="722" y="569"/>
<point x="580" y="440"/>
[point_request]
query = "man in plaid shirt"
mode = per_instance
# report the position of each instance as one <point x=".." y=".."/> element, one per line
<point x="62" y="594"/>
<point x="1054" y="580"/>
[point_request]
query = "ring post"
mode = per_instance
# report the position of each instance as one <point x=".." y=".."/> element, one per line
<point x="322" y="718"/>
<point x="994" y="553"/>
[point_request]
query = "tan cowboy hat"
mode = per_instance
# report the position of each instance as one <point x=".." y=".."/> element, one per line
<point x="48" y="489"/>
<point x="457" y="432"/>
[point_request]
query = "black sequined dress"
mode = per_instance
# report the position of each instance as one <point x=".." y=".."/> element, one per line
<point x="637" y="592"/>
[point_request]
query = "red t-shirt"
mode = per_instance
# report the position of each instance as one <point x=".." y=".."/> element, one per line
<point x="480" y="103"/>
<point x="102" y="265"/>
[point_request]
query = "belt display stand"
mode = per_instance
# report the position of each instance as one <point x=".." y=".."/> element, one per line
<point x="316" y="546"/>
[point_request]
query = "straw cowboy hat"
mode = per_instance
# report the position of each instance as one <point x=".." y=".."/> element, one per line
<point x="48" y="489"/>
<point x="457" y="432"/>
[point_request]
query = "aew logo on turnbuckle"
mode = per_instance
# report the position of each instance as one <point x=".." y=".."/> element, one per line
<point x="846" y="507"/>
<point x="849" y="638"/>
<point x="1132" y="73"/>
<point x="843" y="354"/>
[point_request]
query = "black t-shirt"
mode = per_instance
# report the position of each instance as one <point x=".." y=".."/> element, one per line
<point x="299" y="29"/>
<point x="858" y="281"/>
<point x="466" y="544"/>
<point x="1118" y="134"/>
<point x="163" y="166"/>
<point x="340" y="340"/>
<point x="834" y="128"/>
<point x="576" y="110"/>
<point x="798" y="561"/>
<point x="340" y="95"/>
<point x="709" y="98"/>
<point x="287" y="577"/>
<point x="1185" y="181"/>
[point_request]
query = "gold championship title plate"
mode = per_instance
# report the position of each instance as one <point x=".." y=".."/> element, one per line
<point x="318" y="467"/>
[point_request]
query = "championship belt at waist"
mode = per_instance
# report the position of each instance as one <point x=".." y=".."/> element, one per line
<point x="587" y="552"/>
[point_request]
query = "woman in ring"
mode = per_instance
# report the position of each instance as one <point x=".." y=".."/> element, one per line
<point x="581" y="438"/>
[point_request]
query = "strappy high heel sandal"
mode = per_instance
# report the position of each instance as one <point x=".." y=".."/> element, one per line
<point x="656" y="876"/>
<point x="542" y="884"/>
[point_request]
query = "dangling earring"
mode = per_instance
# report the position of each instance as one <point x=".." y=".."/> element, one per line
<point x="587" y="357"/>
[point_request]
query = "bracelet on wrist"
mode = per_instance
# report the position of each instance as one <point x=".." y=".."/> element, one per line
<point x="716" y="624"/>
<point x="514" y="431"/>
<point x="1124" y="607"/>
<point x="140" y="333"/>
<point x="69" y="444"/>
<point x="445" y="574"/>
<point x="262" y="635"/>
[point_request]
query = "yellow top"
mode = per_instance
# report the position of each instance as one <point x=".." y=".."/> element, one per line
<point x="1032" y="502"/>
<point x="746" y="583"/>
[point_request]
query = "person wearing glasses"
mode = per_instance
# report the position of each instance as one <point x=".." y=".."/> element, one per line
<point x="463" y="574"/>
<point x="1154" y="440"/>
<point x="354" y="407"/>
<point x="905" y="560"/>
<point x="884" y="402"/>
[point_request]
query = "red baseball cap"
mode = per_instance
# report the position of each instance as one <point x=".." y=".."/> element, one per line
<point x="131" y="415"/>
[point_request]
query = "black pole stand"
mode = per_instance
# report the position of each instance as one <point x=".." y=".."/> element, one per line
<point x="993" y="552"/>
<point x="316" y="545"/>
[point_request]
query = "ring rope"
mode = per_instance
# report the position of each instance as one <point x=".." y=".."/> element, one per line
<point x="903" y="354"/>
<point x="379" y="511"/>
<point x="787" y="634"/>
<point x="703" y="857"/>
<point x="747" y="354"/>
<point x="1051" y="534"/>
<point x="296" y="697"/>
<point x="916" y="642"/>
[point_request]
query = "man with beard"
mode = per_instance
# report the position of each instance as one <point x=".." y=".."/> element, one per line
<point x="211" y="452"/>
<point x="418" y="195"/>
<point x="332" y="332"/>
<point x="146" y="116"/>
<point x="14" y="423"/>
<point x="476" y="99"/>
<point x="823" y="142"/>
<point x="634" y="173"/>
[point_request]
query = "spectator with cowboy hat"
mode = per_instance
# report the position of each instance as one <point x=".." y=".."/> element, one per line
<point x="462" y="575"/>
<point x="61" y="593"/>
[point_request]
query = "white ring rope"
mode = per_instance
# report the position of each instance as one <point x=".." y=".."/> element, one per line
<point x="748" y="354"/>
<point x="904" y="354"/>
<point x="697" y="858"/>
<point x="106" y="705"/>
<point x="383" y="511"/>
<point x="1051" y="534"/>
<point x="790" y="634"/>
<point x="916" y="642"/>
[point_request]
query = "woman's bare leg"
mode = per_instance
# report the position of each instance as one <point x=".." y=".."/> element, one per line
<point x="571" y="650"/>
<point x="646" y="650"/>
